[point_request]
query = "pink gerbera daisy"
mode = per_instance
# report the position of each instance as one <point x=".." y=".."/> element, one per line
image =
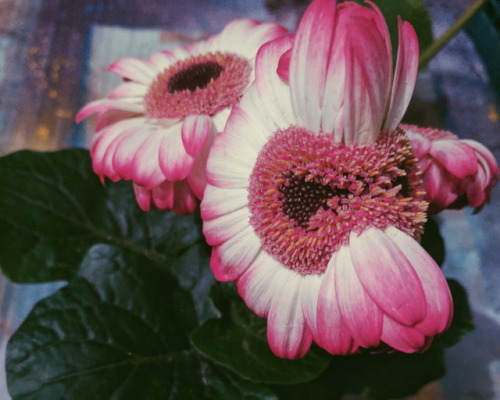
<point x="314" y="205"/>
<point x="456" y="172"/>
<point x="157" y="127"/>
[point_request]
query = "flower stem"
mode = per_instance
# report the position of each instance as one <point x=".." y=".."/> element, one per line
<point x="438" y="44"/>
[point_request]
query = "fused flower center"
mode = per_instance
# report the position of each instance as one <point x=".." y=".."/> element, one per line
<point x="204" y="84"/>
<point x="194" y="76"/>
<point x="308" y="193"/>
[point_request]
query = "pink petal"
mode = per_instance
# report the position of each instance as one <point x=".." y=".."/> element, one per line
<point x="283" y="69"/>
<point x="125" y="149"/>
<point x="195" y="130"/>
<point x="197" y="178"/>
<point x="163" y="195"/>
<point x="388" y="276"/>
<point x="437" y="293"/>
<point x="405" y="75"/>
<point x="455" y="156"/>
<point x="420" y="144"/>
<point x="273" y="94"/>
<point x="100" y="106"/>
<point x="174" y="162"/>
<point x="144" y="167"/>
<point x="256" y="285"/>
<point x="367" y="79"/>
<point x="234" y="152"/>
<point x="143" y="197"/>
<point x="185" y="201"/>
<point x="258" y="36"/>
<point x="221" y="229"/>
<point x="402" y="338"/>
<point x="359" y="313"/>
<point x="287" y="331"/>
<point x="230" y="259"/>
<point x="128" y="89"/>
<point x="333" y="334"/>
<point x="439" y="187"/>
<point x="133" y="69"/>
<point x="103" y="146"/>
<point x="309" y="301"/>
<point x="109" y="117"/>
<point x="220" y="201"/>
<point x="309" y="61"/>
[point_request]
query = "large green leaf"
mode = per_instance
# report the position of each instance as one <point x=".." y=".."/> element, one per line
<point x="238" y="341"/>
<point x="119" y="330"/>
<point x="53" y="208"/>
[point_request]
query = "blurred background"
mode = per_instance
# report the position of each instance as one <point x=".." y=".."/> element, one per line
<point x="54" y="56"/>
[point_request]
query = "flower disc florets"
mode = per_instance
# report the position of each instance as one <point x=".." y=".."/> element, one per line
<point x="203" y="84"/>
<point x="308" y="193"/>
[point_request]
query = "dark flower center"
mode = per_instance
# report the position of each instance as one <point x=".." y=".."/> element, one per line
<point x="194" y="77"/>
<point x="302" y="199"/>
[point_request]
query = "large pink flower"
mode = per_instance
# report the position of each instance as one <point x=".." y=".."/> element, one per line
<point x="157" y="127"/>
<point x="456" y="173"/>
<point x="314" y="204"/>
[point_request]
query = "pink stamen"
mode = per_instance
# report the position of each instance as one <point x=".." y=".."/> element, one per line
<point x="204" y="84"/>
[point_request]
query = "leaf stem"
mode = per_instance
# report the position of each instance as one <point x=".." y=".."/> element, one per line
<point x="438" y="44"/>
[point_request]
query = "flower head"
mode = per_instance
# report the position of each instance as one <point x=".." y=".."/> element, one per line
<point x="456" y="172"/>
<point x="314" y="204"/>
<point x="157" y="127"/>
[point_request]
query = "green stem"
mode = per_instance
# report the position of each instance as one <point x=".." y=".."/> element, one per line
<point x="438" y="44"/>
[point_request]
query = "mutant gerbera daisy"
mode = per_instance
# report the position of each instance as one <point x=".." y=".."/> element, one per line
<point x="456" y="172"/>
<point x="156" y="128"/>
<point x="314" y="204"/>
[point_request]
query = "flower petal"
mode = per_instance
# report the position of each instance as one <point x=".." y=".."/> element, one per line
<point x="230" y="259"/>
<point x="437" y="293"/>
<point x="100" y="106"/>
<point x="333" y="334"/>
<point x="221" y="229"/>
<point x="195" y="130"/>
<point x="287" y="331"/>
<point x="367" y="79"/>
<point x="402" y="338"/>
<point x="133" y="69"/>
<point x="360" y="314"/>
<point x="455" y="156"/>
<point x="174" y="162"/>
<point x="220" y="201"/>
<point x="309" y="62"/>
<point x="388" y="276"/>
<point x="143" y="197"/>
<point x="405" y="75"/>
<point x="256" y="285"/>
<point x="163" y="195"/>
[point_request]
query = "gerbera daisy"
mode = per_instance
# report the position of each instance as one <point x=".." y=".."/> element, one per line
<point x="314" y="205"/>
<point x="156" y="128"/>
<point x="456" y="172"/>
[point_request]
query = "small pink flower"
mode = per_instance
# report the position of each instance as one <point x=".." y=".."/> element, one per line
<point x="156" y="128"/>
<point x="313" y="203"/>
<point x="456" y="173"/>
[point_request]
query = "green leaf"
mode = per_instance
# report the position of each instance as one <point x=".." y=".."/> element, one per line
<point x="119" y="330"/>
<point x="413" y="11"/>
<point x="53" y="208"/>
<point x="238" y="341"/>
